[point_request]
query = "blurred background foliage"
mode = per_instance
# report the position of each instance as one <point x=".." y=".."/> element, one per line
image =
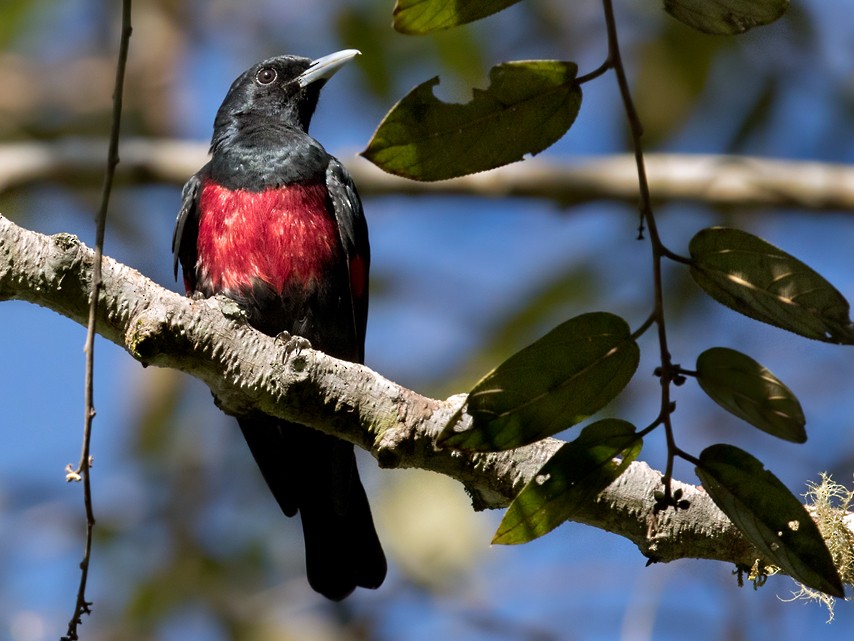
<point x="189" y="543"/>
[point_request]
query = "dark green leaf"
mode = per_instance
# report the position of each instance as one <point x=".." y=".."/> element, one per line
<point x="423" y="16"/>
<point x="556" y="382"/>
<point x="527" y="107"/>
<point x="571" y="478"/>
<point x="747" y="389"/>
<point x="769" y="516"/>
<point x="726" y="17"/>
<point x="763" y="282"/>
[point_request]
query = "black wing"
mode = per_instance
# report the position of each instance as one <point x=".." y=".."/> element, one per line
<point x="353" y="230"/>
<point x="187" y="231"/>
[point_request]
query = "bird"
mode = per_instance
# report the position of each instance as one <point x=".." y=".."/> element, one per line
<point x="274" y="222"/>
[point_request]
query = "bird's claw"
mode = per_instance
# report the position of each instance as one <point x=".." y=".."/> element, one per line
<point x="293" y="345"/>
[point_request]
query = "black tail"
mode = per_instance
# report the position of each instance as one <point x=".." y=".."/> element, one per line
<point x="316" y="474"/>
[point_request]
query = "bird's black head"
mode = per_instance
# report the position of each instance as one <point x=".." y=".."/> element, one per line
<point x="276" y="93"/>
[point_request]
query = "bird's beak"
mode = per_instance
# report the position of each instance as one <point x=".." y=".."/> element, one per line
<point x="325" y="67"/>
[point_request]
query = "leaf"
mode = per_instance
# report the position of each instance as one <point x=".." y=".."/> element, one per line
<point x="763" y="282"/>
<point x="558" y="381"/>
<point x="527" y="107"/>
<point x="726" y="17"/>
<point x="415" y="17"/>
<point x="770" y="516"/>
<point x="744" y="387"/>
<point x="571" y="478"/>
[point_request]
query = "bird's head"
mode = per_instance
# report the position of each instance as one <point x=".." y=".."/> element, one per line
<point x="280" y="91"/>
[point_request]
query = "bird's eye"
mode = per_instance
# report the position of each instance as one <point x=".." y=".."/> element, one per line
<point x="265" y="76"/>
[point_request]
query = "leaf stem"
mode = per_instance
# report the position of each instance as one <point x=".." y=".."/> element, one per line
<point x="640" y="331"/>
<point x="596" y="73"/>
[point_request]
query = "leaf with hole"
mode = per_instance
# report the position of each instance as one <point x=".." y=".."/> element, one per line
<point x="527" y="107"/>
<point x="554" y="383"/>
<point x="770" y="516"/>
<point x="726" y="17"/>
<point x="750" y="391"/>
<point x="571" y="478"/>
<point x="759" y="280"/>
<point x="416" y="17"/>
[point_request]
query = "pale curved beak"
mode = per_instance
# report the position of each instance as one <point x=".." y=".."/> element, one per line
<point x="325" y="67"/>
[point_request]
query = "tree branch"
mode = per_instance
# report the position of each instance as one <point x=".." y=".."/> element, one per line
<point x="246" y="369"/>
<point x="717" y="180"/>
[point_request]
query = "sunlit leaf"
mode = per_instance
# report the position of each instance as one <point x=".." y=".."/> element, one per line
<point x="750" y="391"/>
<point x="770" y="516"/>
<point x="558" y="381"/>
<point x="759" y="280"/>
<point x="726" y="16"/>
<point x="571" y="478"/>
<point x="423" y="16"/>
<point x="527" y="107"/>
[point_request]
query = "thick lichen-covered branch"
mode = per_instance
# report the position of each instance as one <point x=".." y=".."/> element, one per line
<point x="245" y="369"/>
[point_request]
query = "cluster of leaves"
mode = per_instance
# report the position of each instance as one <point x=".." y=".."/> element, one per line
<point x="583" y="364"/>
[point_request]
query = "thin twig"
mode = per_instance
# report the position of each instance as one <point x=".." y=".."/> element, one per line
<point x="82" y="606"/>
<point x="666" y="371"/>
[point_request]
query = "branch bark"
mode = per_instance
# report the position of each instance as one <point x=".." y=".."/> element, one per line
<point x="717" y="180"/>
<point x="245" y="369"/>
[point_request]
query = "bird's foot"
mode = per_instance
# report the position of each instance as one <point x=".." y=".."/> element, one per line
<point x="293" y="345"/>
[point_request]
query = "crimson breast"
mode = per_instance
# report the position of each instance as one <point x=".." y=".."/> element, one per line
<point x="278" y="235"/>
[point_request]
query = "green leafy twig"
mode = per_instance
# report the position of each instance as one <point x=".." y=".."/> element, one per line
<point x="667" y="371"/>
